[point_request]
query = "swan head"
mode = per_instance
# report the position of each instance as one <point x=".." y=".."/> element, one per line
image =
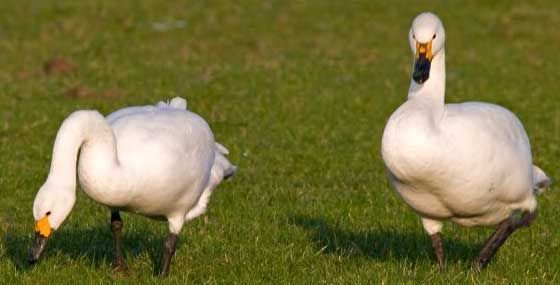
<point x="50" y="208"/>
<point x="427" y="39"/>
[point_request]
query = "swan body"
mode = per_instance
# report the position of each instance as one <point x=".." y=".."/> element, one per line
<point x="470" y="163"/>
<point x="472" y="167"/>
<point x="159" y="161"/>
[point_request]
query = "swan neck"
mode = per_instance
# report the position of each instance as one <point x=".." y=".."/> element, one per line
<point x="81" y="130"/>
<point x="434" y="88"/>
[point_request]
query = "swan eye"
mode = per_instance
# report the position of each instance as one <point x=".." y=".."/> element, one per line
<point x="413" y="37"/>
<point x="48" y="213"/>
<point x="434" y="37"/>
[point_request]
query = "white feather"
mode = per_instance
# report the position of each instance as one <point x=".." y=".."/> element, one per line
<point x="156" y="161"/>
<point x="470" y="163"/>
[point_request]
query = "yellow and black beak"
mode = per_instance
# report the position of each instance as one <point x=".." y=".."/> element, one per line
<point x="43" y="231"/>
<point x="422" y="62"/>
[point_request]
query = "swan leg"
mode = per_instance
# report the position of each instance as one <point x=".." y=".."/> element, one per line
<point x="116" y="227"/>
<point x="503" y="231"/>
<point x="169" y="246"/>
<point x="433" y="228"/>
<point x="437" y="244"/>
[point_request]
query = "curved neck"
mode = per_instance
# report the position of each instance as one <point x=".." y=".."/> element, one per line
<point x="89" y="131"/>
<point x="431" y="92"/>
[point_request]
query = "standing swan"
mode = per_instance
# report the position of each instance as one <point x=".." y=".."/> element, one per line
<point x="159" y="161"/>
<point x="469" y="163"/>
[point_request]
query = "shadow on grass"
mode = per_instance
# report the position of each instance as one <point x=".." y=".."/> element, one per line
<point x="94" y="245"/>
<point x="380" y="244"/>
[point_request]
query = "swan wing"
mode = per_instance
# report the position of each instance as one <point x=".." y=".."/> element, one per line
<point x="175" y="103"/>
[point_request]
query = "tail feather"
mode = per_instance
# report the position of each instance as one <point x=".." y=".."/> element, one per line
<point x="177" y="103"/>
<point x="540" y="180"/>
<point x="222" y="149"/>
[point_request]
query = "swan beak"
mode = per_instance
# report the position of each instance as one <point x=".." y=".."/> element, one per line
<point x="422" y="62"/>
<point x="42" y="232"/>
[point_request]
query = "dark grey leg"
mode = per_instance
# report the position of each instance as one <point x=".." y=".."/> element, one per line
<point x="504" y="230"/>
<point x="437" y="244"/>
<point x="169" y="246"/>
<point x="116" y="227"/>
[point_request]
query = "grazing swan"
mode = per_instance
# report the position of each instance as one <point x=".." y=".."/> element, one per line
<point x="158" y="161"/>
<point x="469" y="163"/>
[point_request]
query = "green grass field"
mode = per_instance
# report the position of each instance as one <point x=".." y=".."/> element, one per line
<point x="299" y="91"/>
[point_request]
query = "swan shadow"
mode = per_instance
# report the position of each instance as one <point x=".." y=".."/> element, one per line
<point x="95" y="245"/>
<point x="382" y="245"/>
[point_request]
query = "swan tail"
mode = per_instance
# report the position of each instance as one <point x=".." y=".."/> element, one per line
<point x="176" y="103"/>
<point x="540" y="180"/>
<point x="222" y="149"/>
<point x="222" y="169"/>
<point x="228" y="169"/>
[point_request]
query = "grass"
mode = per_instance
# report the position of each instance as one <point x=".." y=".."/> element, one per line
<point x="299" y="91"/>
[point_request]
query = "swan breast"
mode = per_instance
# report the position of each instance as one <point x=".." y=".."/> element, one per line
<point x="475" y="162"/>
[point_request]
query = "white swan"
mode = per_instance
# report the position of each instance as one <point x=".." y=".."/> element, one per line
<point x="159" y="161"/>
<point x="469" y="163"/>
